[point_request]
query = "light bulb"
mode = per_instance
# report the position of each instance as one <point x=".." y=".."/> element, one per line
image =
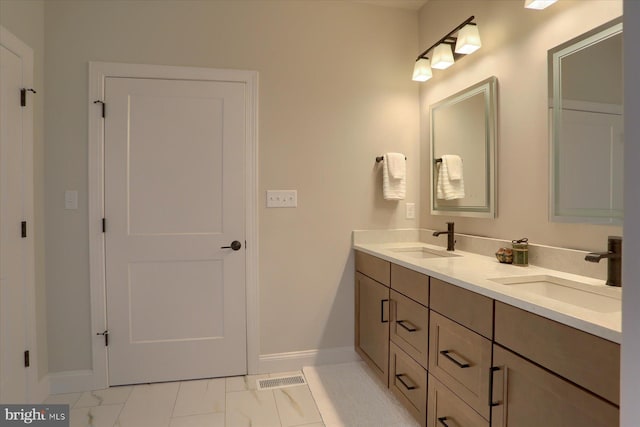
<point x="422" y="70"/>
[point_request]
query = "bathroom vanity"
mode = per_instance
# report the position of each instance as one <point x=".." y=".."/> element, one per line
<point x="460" y="345"/>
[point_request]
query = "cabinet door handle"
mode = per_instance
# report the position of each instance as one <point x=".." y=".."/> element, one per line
<point x="442" y="420"/>
<point x="491" y="371"/>
<point x="407" y="386"/>
<point x="382" y="311"/>
<point x="446" y="353"/>
<point x="409" y="328"/>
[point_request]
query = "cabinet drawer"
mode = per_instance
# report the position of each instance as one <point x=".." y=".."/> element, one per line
<point x="461" y="360"/>
<point x="445" y="409"/>
<point x="410" y="283"/>
<point x="376" y="268"/>
<point x="410" y="327"/>
<point x="408" y="382"/>
<point x="587" y="360"/>
<point x="465" y="307"/>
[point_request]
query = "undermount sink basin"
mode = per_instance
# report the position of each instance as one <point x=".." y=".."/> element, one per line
<point x="422" y="252"/>
<point x="595" y="298"/>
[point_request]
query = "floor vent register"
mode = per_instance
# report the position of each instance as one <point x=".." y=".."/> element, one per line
<point x="281" y="382"/>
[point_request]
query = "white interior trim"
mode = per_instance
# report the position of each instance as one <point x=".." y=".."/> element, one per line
<point x="73" y="381"/>
<point x="296" y="360"/>
<point x="22" y="50"/>
<point x="98" y="72"/>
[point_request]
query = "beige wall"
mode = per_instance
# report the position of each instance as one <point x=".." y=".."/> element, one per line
<point x="515" y="43"/>
<point x="25" y="19"/>
<point x="334" y="92"/>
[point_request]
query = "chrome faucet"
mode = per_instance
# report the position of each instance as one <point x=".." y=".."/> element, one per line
<point x="614" y="258"/>
<point x="450" y="236"/>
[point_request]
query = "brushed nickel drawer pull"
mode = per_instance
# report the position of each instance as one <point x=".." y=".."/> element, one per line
<point x="462" y="365"/>
<point x="410" y="328"/>
<point x="407" y="386"/>
<point x="442" y="420"/>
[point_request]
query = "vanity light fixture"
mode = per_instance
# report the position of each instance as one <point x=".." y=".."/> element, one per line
<point x="422" y="70"/>
<point x="468" y="39"/>
<point x="464" y="37"/>
<point x="538" y="4"/>
<point x="442" y="57"/>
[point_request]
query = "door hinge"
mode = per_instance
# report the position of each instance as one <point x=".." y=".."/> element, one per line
<point x="23" y="96"/>
<point x="106" y="337"/>
<point x="103" y="106"/>
<point x="104" y="225"/>
<point x="27" y="362"/>
<point x="23" y="229"/>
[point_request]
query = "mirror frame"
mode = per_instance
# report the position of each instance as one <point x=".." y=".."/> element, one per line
<point x="554" y="63"/>
<point x="489" y="88"/>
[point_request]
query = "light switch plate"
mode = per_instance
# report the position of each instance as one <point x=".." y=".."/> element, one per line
<point x="282" y="198"/>
<point x="71" y="199"/>
<point x="410" y="210"/>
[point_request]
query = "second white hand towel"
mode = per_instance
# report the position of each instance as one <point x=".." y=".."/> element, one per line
<point x="394" y="188"/>
<point x="448" y="188"/>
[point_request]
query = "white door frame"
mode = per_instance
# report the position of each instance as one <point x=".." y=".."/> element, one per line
<point x="98" y="72"/>
<point x="37" y="389"/>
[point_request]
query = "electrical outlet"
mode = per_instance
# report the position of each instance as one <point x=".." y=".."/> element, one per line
<point x="282" y="198"/>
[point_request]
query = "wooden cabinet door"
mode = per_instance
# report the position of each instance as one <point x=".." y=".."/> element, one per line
<point x="372" y="324"/>
<point x="526" y="395"/>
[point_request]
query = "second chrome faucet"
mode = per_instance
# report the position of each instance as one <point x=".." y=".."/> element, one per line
<point x="451" y="242"/>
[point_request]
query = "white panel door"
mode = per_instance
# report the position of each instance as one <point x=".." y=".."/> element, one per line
<point x="174" y="198"/>
<point x="13" y="308"/>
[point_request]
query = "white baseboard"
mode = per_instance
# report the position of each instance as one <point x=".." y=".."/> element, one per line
<point x="296" y="360"/>
<point x="79" y="381"/>
<point x="41" y="390"/>
<point x="71" y="381"/>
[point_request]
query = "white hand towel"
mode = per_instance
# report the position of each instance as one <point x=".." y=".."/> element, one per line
<point x="393" y="188"/>
<point x="454" y="165"/>
<point x="396" y="163"/>
<point x="447" y="188"/>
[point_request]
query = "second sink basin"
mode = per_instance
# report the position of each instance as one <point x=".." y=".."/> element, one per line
<point x="422" y="252"/>
<point x="595" y="298"/>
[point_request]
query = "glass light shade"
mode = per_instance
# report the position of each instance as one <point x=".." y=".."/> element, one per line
<point x="538" y="4"/>
<point x="422" y="70"/>
<point x="468" y="39"/>
<point x="442" y="57"/>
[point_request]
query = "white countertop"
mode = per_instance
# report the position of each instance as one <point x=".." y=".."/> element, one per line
<point x="472" y="272"/>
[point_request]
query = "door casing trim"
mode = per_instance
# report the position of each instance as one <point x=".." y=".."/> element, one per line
<point x="34" y="384"/>
<point x="98" y="72"/>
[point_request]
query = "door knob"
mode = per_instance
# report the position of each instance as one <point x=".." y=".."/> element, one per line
<point x="235" y="245"/>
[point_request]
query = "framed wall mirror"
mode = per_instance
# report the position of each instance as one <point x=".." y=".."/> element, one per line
<point x="464" y="126"/>
<point x="586" y="127"/>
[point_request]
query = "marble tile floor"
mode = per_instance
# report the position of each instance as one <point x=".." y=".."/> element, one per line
<point x="221" y="402"/>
